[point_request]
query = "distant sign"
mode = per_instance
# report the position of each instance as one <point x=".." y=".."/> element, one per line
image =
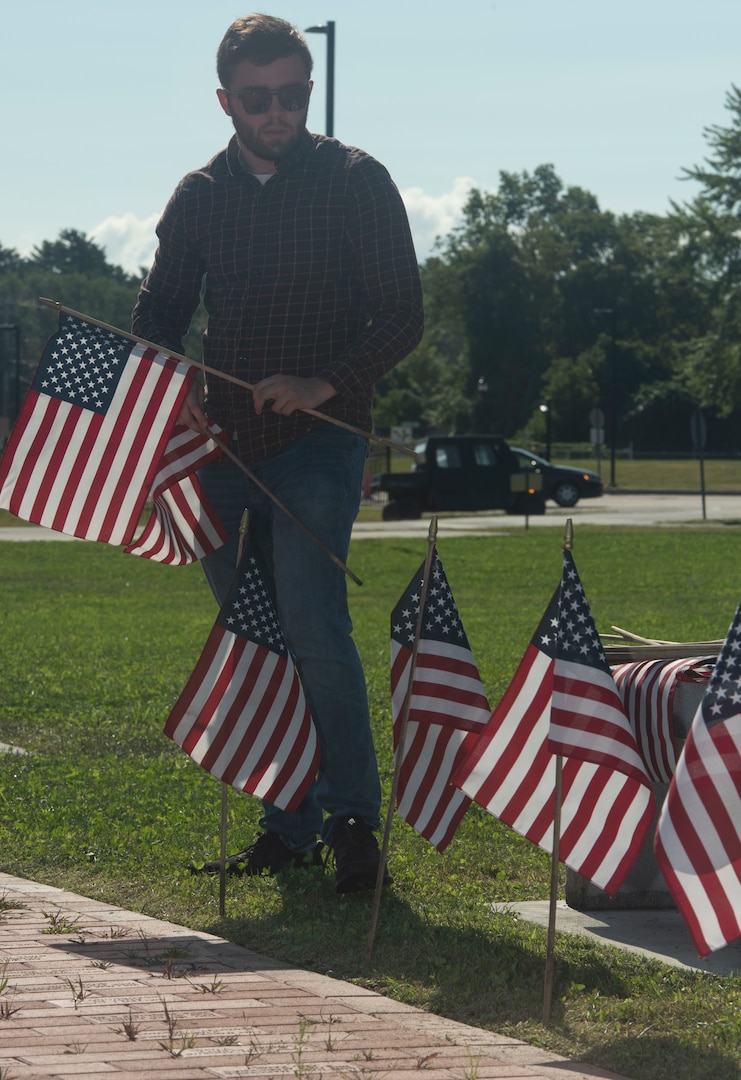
<point x="698" y="429"/>
<point x="596" y="418"/>
<point x="402" y="434"/>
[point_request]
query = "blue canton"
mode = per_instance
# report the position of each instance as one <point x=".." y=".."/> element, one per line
<point x="249" y="612"/>
<point x="722" y="699"/>
<point x="82" y="364"/>
<point x="441" y="621"/>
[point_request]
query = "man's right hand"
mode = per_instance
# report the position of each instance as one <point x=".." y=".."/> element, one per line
<point x="191" y="411"/>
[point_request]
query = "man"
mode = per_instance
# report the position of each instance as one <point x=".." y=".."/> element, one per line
<point x="312" y="292"/>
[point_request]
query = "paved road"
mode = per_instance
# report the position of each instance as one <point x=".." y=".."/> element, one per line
<point x="659" y="508"/>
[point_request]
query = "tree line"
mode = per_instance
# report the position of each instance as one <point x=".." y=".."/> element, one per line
<point x="537" y="300"/>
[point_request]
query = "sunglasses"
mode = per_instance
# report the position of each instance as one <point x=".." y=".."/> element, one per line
<point x="257" y="99"/>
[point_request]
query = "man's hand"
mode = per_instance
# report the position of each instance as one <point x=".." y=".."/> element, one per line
<point x="290" y="392"/>
<point x="191" y="411"/>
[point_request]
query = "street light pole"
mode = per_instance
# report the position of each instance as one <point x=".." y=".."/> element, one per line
<point x="17" y="330"/>
<point x="328" y="29"/>
<point x="613" y="387"/>
<point x="546" y="409"/>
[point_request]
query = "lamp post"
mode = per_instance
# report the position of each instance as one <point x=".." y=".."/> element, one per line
<point x="482" y="391"/>
<point x="328" y="29"/>
<point x="613" y="387"/>
<point x="7" y="327"/>
<point x="546" y="409"/>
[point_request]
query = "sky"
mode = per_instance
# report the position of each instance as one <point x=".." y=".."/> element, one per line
<point x="104" y="107"/>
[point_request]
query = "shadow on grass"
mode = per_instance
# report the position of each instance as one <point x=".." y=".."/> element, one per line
<point x="664" y="1058"/>
<point x="475" y="976"/>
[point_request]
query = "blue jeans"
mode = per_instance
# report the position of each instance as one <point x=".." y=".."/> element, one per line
<point x="319" y="478"/>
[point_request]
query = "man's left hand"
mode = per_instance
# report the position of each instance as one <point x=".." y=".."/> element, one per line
<point x="290" y="392"/>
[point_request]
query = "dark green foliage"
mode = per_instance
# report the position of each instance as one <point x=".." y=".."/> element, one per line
<point x="540" y="294"/>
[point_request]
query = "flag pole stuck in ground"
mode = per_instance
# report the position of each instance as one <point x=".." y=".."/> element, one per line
<point x="56" y="306"/>
<point x="243" y="526"/>
<point x="550" y="950"/>
<point x="399" y="755"/>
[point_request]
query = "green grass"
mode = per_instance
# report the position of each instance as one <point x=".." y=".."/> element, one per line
<point x="95" y="648"/>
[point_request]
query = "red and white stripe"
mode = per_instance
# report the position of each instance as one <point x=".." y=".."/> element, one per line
<point x="605" y="814"/>
<point x="88" y="474"/>
<point x="647" y="688"/>
<point x="698" y="839"/>
<point x="588" y="719"/>
<point x="183" y="525"/>
<point x="447" y="710"/>
<point x="243" y="717"/>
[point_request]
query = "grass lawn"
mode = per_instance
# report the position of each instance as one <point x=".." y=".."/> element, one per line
<point x="95" y="648"/>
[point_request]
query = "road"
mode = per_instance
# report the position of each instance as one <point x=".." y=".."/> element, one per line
<point x="611" y="509"/>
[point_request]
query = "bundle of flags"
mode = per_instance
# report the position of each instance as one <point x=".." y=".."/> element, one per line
<point x="648" y="689"/>
<point x="96" y="439"/>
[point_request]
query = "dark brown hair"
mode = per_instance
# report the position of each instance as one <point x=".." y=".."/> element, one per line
<point x="261" y="39"/>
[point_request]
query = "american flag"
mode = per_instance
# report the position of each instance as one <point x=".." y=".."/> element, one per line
<point x="448" y="706"/>
<point x="182" y="526"/>
<point x="243" y="715"/>
<point x="605" y="811"/>
<point x="588" y="719"/>
<point x="647" y="689"/>
<point x="91" y="432"/>
<point x="698" y="839"/>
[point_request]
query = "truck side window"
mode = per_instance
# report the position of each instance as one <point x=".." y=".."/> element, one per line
<point x="448" y="457"/>
<point x="483" y="454"/>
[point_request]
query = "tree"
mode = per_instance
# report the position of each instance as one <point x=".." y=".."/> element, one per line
<point x="75" y="253"/>
<point x="709" y="367"/>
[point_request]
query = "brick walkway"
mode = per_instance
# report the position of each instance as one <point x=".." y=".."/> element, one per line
<point x="116" y="994"/>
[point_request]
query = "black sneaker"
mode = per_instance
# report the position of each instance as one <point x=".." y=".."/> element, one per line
<point x="356" y="856"/>
<point x="268" y="855"/>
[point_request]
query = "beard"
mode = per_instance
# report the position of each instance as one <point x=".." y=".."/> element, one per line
<point x="271" y="147"/>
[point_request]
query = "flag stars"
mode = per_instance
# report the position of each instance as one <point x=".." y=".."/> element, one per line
<point x="441" y="620"/>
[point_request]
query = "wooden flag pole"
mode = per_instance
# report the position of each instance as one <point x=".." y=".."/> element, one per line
<point x="551" y="940"/>
<point x="398" y="758"/>
<point x="224" y="786"/>
<point x="398" y="447"/>
<point x="282" y="506"/>
<point x="568" y="543"/>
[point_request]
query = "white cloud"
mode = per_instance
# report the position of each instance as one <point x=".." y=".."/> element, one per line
<point x="431" y="216"/>
<point x="128" y="241"/>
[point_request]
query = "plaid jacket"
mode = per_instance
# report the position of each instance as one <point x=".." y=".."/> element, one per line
<point x="312" y="273"/>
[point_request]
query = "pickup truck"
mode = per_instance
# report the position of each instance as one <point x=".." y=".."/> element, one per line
<point x="461" y="472"/>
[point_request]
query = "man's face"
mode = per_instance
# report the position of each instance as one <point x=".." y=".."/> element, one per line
<point x="266" y="137"/>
